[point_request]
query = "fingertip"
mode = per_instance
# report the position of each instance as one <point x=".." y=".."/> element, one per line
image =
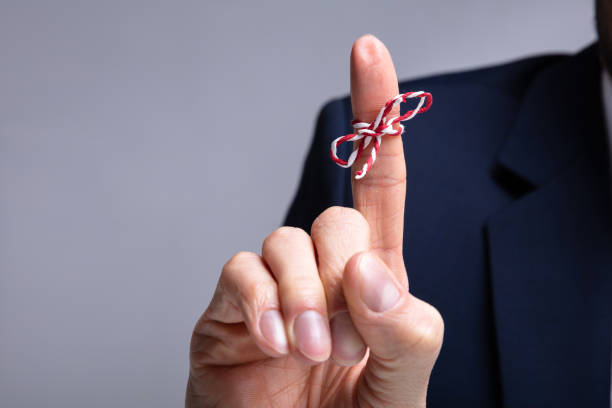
<point x="272" y="330"/>
<point x="367" y="49"/>
<point x="348" y="347"/>
<point x="311" y="336"/>
<point x="373" y="77"/>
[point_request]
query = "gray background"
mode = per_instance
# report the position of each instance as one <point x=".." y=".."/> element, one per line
<point x="136" y="155"/>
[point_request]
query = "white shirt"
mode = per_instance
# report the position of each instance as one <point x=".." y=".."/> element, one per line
<point x="606" y="96"/>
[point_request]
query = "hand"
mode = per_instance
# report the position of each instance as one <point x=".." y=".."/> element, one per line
<point x="325" y="320"/>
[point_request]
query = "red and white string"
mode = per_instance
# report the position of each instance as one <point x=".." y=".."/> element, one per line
<point x="365" y="133"/>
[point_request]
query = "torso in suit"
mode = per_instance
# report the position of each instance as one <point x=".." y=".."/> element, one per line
<point x="508" y="228"/>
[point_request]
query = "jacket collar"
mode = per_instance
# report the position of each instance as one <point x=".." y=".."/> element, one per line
<point x="550" y="250"/>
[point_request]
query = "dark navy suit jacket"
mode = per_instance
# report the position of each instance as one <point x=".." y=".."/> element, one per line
<point x="508" y="228"/>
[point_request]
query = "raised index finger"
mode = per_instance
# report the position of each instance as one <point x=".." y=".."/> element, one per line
<point x="380" y="195"/>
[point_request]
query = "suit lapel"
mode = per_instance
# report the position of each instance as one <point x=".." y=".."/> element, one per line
<point x="551" y="249"/>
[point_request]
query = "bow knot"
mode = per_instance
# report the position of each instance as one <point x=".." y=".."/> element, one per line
<point x="364" y="132"/>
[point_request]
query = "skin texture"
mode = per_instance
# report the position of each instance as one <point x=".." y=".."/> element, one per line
<point x="355" y="336"/>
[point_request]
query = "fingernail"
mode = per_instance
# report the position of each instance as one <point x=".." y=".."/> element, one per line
<point x="273" y="330"/>
<point x="347" y="347"/>
<point x="378" y="291"/>
<point x="312" y="335"/>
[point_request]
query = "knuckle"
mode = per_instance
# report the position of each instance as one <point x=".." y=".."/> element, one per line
<point x="238" y="262"/>
<point x="337" y="217"/>
<point x="237" y="278"/>
<point x="258" y="294"/>
<point x="281" y="237"/>
<point x="308" y="286"/>
<point x="233" y="279"/>
<point x="233" y="269"/>
<point x="385" y="181"/>
<point x="302" y="292"/>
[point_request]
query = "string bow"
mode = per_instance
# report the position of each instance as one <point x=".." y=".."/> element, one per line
<point x="365" y="133"/>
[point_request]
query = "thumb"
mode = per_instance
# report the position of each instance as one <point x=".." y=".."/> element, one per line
<point x="404" y="334"/>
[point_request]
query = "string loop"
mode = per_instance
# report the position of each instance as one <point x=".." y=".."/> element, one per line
<point x="366" y="133"/>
